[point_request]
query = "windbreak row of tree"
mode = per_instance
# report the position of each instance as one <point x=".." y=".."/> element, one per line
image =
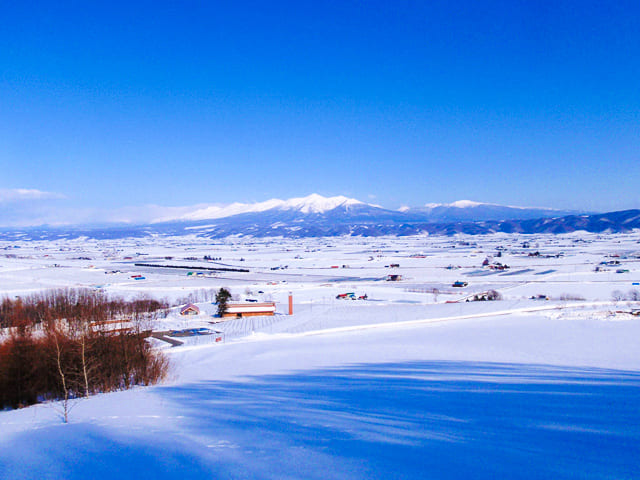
<point x="212" y="295"/>
<point x="632" y="295"/>
<point x="81" y="305"/>
<point x="99" y="347"/>
<point x="199" y="295"/>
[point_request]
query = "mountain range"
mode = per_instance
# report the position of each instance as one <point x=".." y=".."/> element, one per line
<point x="316" y="215"/>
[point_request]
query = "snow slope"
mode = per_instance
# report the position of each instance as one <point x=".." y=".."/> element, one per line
<point x="463" y="399"/>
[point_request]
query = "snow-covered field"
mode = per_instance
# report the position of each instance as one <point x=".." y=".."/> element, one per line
<point x="413" y="382"/>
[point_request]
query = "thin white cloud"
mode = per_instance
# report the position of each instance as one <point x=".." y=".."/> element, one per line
<point x="11" y="195"/>
<point x="26" y="214"/>
<point x="21" y="208"/>
<point x="145" y="213"/>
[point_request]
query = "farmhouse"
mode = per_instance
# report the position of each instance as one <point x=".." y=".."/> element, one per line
<point x="250" y="309"/>
<point x="190" y="309"/>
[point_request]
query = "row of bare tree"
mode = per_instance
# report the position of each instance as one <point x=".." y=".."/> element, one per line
<point x="199" y="295"/>
<point x="633" y="295"/>
<point x="74" y="304"/>
<point x="69" y="344"/>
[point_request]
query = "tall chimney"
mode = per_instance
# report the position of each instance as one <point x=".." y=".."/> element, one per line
<point x="290" y="303"/>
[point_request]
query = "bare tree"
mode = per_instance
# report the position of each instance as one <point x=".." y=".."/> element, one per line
<point x="633" y="295"/>
<point x="63" y="379"/>
<point x="59" y="342"/>
<point x="617" y="296"/>
<point x="81" y="350"/>
<point x="494" y="295"/>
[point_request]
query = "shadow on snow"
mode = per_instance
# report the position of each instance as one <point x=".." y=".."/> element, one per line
<point x="412" y="420"/>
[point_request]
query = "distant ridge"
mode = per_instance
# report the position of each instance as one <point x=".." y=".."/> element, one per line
<point x="470" y="211"/>
<point x="363" y="221"/>
<point x="462" y="210"/>
<point x="317" y="216"/>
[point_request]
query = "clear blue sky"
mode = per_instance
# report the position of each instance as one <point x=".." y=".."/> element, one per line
<point x="398" y="103"/>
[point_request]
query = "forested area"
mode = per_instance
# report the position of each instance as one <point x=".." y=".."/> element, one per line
<point x="71" y="343"/>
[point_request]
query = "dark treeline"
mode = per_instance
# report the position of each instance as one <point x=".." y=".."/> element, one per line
<point x="66" y="344"/>
<point x="191" y="267"/>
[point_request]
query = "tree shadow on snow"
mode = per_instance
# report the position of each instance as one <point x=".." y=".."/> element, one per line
<point x="86" y="451"/>
<point x="424" y="420"/>
<point x="435" y="420"/>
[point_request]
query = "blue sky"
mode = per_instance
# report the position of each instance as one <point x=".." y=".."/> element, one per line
<point x="398" y="103"/>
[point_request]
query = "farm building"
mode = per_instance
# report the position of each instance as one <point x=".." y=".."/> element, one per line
<point x="344" y="296"/>
<point x="190" y="309"/>
<point x="250" y="309"/>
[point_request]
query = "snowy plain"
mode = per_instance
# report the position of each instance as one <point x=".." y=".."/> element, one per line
<point x="403" y="384"/>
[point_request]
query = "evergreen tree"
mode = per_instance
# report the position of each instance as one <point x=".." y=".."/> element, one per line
<point x="222" y="297"/>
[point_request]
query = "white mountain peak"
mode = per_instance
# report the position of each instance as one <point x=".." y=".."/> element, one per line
<point x="313" y="203"/>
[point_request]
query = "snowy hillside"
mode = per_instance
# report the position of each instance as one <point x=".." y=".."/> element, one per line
<point x="464" y="400"/>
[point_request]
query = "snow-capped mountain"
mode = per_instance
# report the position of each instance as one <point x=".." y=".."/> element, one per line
<point x="316" y="216"/>
<point x="313" y="203"/>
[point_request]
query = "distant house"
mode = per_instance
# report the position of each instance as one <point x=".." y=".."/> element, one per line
<point x="540" y="296"/>
<point x="250" y="309"/>
<point x="344" y="296"/>
<point x="499" y="266"/>
<point x="190" y="309"/>
<point x="111" y="327"/>
<point x="485" y="296"/>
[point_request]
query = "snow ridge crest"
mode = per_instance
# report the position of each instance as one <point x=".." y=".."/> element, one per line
<point x="313" y="203"/>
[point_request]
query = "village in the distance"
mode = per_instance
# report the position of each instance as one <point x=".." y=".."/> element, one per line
<point x="413" y="277"/>
<point x="295" y="310"/>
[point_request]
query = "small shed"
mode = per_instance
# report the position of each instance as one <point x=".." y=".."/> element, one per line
<point x="250" y="309"/>
<point x="190" y="309"/>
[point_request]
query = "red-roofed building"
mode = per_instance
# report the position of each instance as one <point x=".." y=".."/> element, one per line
<point x="250" y="309"/>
